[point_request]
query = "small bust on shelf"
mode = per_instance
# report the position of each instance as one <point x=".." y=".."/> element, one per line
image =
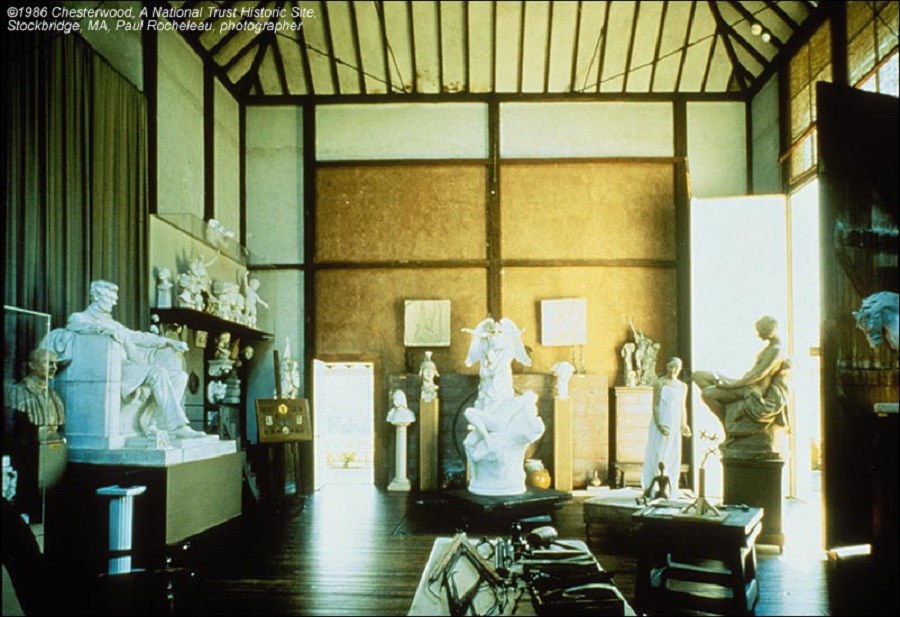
<point x="428" y="371"/>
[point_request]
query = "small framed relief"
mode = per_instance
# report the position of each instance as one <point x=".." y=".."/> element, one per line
<point x="200" y="337"/>
<point x="426" y="323"/>
<point x="563" y="322"/>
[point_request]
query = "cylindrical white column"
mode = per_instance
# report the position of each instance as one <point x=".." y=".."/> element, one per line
<point x="400" y="481"/>
<point x="121" y="518"/>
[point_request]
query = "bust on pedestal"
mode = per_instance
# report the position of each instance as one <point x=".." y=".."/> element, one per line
<point x="400" y="416"/>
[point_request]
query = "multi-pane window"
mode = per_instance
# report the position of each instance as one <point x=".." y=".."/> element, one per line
<point x="810" y="64"/>
<point x="872" y="58"/>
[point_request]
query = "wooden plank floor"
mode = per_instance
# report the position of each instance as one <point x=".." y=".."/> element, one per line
<point x="355" y="550"/>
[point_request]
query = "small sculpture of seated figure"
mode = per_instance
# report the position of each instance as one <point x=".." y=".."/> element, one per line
<point x="152" y="366"/>
<point x="658" y="488"/>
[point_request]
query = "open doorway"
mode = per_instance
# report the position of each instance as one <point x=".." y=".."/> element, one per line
<point x="344" y="421"/>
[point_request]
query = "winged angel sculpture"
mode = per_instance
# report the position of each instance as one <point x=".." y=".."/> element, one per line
<point x="503" y="422"/>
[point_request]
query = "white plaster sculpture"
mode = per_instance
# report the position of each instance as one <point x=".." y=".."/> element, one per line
<point x="646" y="352"/>
<point x="428" y="371"/>
<point x="223" y="346"/>
<point x="879" y="318"/>
<point x="221" y="364"/>
<point x="627" y="353"/>
<point x="215" y="392"/>
<point x="503" y="423"/>
<point x="217" y="234"/>
<point x="10" y="478"/>
<point x="194" y="285"/>
<point x="229" y="302"/>
<point x="290" y="373"/>
<point x="400" y="416"/>
<point x="563" y="372"/>
<point x="149" y="367"/>
<point x="669" y="425"/>
<point x="164" y="288"/>
<point x="251" y="299"/>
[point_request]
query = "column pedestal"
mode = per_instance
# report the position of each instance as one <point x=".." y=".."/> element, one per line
<point x="428" y="444"/>
<point x="121" y="518"/>
<point x="400" y="481"/>
<point x="757" y="482"/>
<point x="562" y="444"/>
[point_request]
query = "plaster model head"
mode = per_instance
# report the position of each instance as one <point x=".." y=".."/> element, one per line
<point x="247" y="352"/>
<point x="398" y="398"/>
<point x="673" y="367"/>
<point x="766" y="327"/>
<point x="164" y="275"/>
<point x="878" y="318"/>
<point x="104" y="295"/>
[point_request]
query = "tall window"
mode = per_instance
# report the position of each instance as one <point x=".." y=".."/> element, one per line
<point x="810" y="64"/>
<point x="872" y="58"/>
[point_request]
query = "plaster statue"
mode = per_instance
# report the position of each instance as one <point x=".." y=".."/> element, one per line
<point x="428" y="371"/>
<point x="195" y="285"/>
<point x="217" y="234"/>
<point x="290" y="373"/>
<point x="627" y="354"/>
<point x="31" y="403"/>
<point x="753" y="407"/>
<point x="223" y="346"/>
<point x="229" y="303"/>
<point x="400" y="413"/>
<point x="164" y="288"/>
<point x="503" y="423"/>
<point x="251" y="299"/>
<point x="215" y="392"/>
<point x="648" y="369"/>
<point x="152" y="365"/>
<point x="645" y="353"/>
<point x="877" y="317"/>
<point x="563" y="372"/>
<point x="664" y="435"/>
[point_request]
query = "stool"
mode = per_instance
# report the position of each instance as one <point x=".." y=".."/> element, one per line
<point x="679" y="550"/>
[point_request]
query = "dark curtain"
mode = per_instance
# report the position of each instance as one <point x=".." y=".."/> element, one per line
<point x="75" y="150"/>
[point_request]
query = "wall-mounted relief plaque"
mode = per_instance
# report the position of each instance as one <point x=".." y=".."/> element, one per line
<point x="426" y="323"/>
<point x="283" y="419"/>
<point x="563" y="322"/>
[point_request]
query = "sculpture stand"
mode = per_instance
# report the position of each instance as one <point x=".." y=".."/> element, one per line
<point x="700" y="507"/>
<point x="121" y="515"/>
<point x="562" y="444"/>
<point x="428" y="444"/>
<point x="757" y="482"/>
<point x="400" y="481"/>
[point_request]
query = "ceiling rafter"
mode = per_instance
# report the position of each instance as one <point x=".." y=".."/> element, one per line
<point x="521" y="68"/>
<point x="659" y="34"/>
<point x="354" y="25"/>
<point x="709" y="57"/>
<point x="635" y="16"/>
<point x="265" y="42"/>
<point x="254" y="42"/>
<point x="751" y="19"/>
<point x="304" y="53"/>
<point x="279" y="60"/>
<point x="576" y="40"/>
<point x="548" y="41"/>
<point x="382" y="26"/>
<point x="722" y="29"/>
<point x="684" y="47"/>
<point x="494" y="46"/>
<point x="604" y="35"/>
<point x="466" y="53"/>
<point x="233" y="32"/>
<point x="782" y="15"/>
<point x="440" y="46"/>
<point x="225" y="7"/>
<point x="412" y="46"/>
<point x="329" y="44"/>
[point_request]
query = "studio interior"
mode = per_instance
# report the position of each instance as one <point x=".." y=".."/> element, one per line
<point x="450" y="308"/>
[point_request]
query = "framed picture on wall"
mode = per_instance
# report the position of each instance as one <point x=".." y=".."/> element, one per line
<point x="563" y="322"/>
<point x="426" y="323"/>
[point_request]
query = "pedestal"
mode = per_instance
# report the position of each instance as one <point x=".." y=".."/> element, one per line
<point x="400" y="481"/>
<point x="634" y="412"/>
<point x="757" y="482"/>
<point x="428" y="444"/>
<point x="121" y="513"/>
<point x="562" y="444"/>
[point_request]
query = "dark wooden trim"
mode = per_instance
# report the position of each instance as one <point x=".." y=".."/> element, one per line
<point x="781" y="14"/>
<point x="574" y="67"/>
<point x="604" y="32"/>
<point x="379" y="9"/>
<point x="224" y="6"/>
<point x="419" y="264"/>
<point x="220" y="45"/>
<point x="659" y="35"/>
<point x="209" y="142"/>
<point x="494" y="46"/>
<point x="150" y="49"/>
<point x="255" y="42"/>
<point x="722" y="30"/>
<point x="751" y="18"/>
<point x="407" y="162"/>
<point x="307" y="451"/>
<point x="635" y="16"/>
<point x="251" y="77"/>
<point x="412" y="45"/>
<point x="709" y="57"/>
<point x="351" y="7"/>
<point x="784" y="126"/>
<point x="548" y="42"/>
<point x="329" y="44"/>
<point x="304" y="55"/>
<point x="687" y="40"/>
<point x="242" y="172"/>
<point x="840" y="69"/>
<point x="592" y="159"/>
<point x="466" y="50"/>
<point x="748" y="141"/>
<point x="505" y="161"/>
<point x="683" y="252"/>
<point x="477" y="97"/>
<point x="521" y="67"/>
<point x="279" y="65"/>
<point x="494" y="230"/>
<point x="589" y="263"/>
<point x="440" y="45"/>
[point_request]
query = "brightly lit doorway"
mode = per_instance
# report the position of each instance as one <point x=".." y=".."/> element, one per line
<point x="344" y="421"/>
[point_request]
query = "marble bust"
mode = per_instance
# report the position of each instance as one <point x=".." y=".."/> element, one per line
<point x="563" y="371"/>
<point x="428" y="371"/>
<point x="400" y="414"/>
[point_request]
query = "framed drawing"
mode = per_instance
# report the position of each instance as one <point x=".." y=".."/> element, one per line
<point x="563" y="322"/>
<point x="426" y="323"/>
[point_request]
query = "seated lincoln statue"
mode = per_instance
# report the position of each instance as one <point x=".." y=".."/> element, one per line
<point x="150" y="372"/>
<point x="503" y="423"/>
<point x="753" y="407"/>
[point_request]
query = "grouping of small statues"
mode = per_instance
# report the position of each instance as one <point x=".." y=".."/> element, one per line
<point x="231" y="300"/>
<point x="640" y="358"/>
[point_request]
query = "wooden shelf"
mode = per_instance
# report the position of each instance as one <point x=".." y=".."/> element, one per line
<point x="198" y="320"/>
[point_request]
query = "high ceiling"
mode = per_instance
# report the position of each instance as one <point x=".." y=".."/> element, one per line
<point x="368" y="48"/>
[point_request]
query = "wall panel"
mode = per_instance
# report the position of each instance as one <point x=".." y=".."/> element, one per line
<point x="585" y="210"/>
